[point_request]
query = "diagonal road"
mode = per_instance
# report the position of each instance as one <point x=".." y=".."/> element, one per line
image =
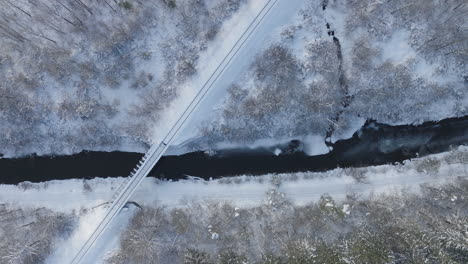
<point x="153" y="155"/>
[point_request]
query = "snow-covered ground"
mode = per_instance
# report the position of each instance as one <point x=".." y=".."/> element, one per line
<point x="282" y="13"/>
<point x="243" y="191"/>
<point x="397" y="68"/>
<point x="86" y="198"/>
<point x="106" y="85"/>
<point x="286" y="84"/>
<point x="68" y="247"/>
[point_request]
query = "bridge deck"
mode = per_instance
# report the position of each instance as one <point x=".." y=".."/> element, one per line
<point x="128" y="187"/>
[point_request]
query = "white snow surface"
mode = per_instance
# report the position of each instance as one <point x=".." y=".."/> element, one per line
<point x="70" y="196"/>
<point x="87" y="223"/>
<point x="282" y="13"/>
<point x="243" y="191"/>
<point x="315" y="145"/>
<point x="397" y="49"/>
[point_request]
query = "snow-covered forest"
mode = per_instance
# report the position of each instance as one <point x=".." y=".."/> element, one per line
<point x="96" y="74"/>
<point x="28" y="235"/>
<point x="406" y="213"/>
<point x="430" y="227"/>
<point x="100" y="75"/>
<point x="342" y="62"/>
<point x="403" y="223"/>
<point x="113" y="75"/>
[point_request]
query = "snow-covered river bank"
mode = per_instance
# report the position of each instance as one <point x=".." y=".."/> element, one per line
<point x="68" y="195"/>
<point x="373" y="144"/>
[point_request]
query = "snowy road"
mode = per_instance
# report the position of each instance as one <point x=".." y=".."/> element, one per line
<point x="221" y="74"/>
<point x="282" y="14"/>
<point x="242" y="192"/>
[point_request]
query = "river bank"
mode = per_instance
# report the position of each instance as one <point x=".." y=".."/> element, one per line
<point x="373" y="144"/>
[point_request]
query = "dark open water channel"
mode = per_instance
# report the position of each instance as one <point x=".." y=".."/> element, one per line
<point x="373" y="144"/>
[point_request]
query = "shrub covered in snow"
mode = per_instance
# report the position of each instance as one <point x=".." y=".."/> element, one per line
<point x="27" y="236"/>
<point x="429" y="227"/>
<point x="392" y="61"/>
<point x="96" y="74"/>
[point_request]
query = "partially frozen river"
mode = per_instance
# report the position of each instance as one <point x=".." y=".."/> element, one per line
<point x="373" y="144"/>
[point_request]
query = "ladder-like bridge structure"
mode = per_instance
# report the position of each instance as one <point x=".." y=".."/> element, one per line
<point x="152" y="156"/>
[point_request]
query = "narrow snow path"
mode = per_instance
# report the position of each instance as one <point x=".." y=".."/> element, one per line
<point x="242" y="191"/>
<point x="210" y="76"/>
<point x="268" y="31"/>
<point x="110" y="237"/>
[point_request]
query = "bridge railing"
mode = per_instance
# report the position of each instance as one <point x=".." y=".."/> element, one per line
<point x="152" y="156"/>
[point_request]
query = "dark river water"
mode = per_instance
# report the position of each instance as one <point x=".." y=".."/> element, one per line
<point x="373" y="144"/>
